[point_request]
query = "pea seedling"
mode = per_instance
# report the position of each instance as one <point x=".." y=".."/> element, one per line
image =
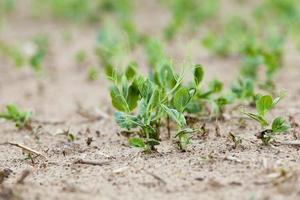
<point x="244" y="90"/>
<point x="279" y="125"/>
<point x="92" y="74"/>
<point x="80" y="56"/>
<point x="41" y="45"/>
<point x="20" y="118"/>
<point x="160" y="96"/>
<point x="211" y="96"/>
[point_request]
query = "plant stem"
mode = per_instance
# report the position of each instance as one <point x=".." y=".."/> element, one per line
<point x="168" y="127"/>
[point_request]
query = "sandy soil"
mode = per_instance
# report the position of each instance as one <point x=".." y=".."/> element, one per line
<point x="211" y="169"/>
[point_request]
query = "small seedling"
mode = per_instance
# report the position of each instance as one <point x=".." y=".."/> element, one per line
<point x="93" y="74"/>
<point x="235" y="139"/>
<point x="20" y="118"/>
<point x="40" y="45"/>
<point x="244" y="90"/>
<point x="71" y="137"/>
<point x="279" y="125"/>
<point x="204" y="98"/>
<point x="80" y="56"/>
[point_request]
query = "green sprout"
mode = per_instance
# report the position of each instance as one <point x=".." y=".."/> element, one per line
<point x="92" y="74"/>
<point x="279" y="125"/>
<point x="211" y="97"/>
<point x="22" y="119"/>
<point x="41" y="44"/>
<point x="244" y="90"/>
<point x="235" y="139"/>
<point x="80" y="56"/>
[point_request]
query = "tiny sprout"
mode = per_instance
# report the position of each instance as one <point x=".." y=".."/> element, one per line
<point x="20" y="118"/>
<point x="279" y="125"/>
<point x="235" y="139"/>
<point x="80" y="56"/>
<point x="71" y="137"/>
<point x="92" y="74"/>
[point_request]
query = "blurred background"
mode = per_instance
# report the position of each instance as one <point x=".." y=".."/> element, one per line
<point x="48" y="41"/>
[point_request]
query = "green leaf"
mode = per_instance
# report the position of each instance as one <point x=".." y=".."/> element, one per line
<point x="184" y="137"/>
<point x="71" y="137"/>
<point x="181" y="99"/>
<point x="276" y="100"/>
<point x="257" y="118"/>
<point x="131" y="71"/>
<point x="132" y="96"/>
<point x="280" y="125"/>
<point x="218" y="104"/>
<point x="136" y="142"/>
<point x="215" y="86"/>
<point x="109" y="70"/>
<point x="145" y="88"/>
<point x="152" y="142"/>
<point x="194" y="106"/>
<point x="264" y="104"/>
<point x="154" y="100"/>
<point x="118" y="100"/>
<point x="221" y="101"/>
<point x="198" y="74"/>
<point x="175" y="115"/>
<point x="126" y="121"/>
<point x="165" y="75"/>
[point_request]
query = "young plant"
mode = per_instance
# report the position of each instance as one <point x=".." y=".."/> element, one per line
<point x="126" y="92"/>
<point x="41" y="46"/>
<point x="210" y="97"/>
<point x="180" y="101"/>
<point x="92" y="74"/>
<point x="279" y="125"/>
<point x="244" y="90"/>
<point x="22" y="119"/>
<point x="157" y="98"/>
<point x="80" y="56"/>
<point x="235" y="139"/>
